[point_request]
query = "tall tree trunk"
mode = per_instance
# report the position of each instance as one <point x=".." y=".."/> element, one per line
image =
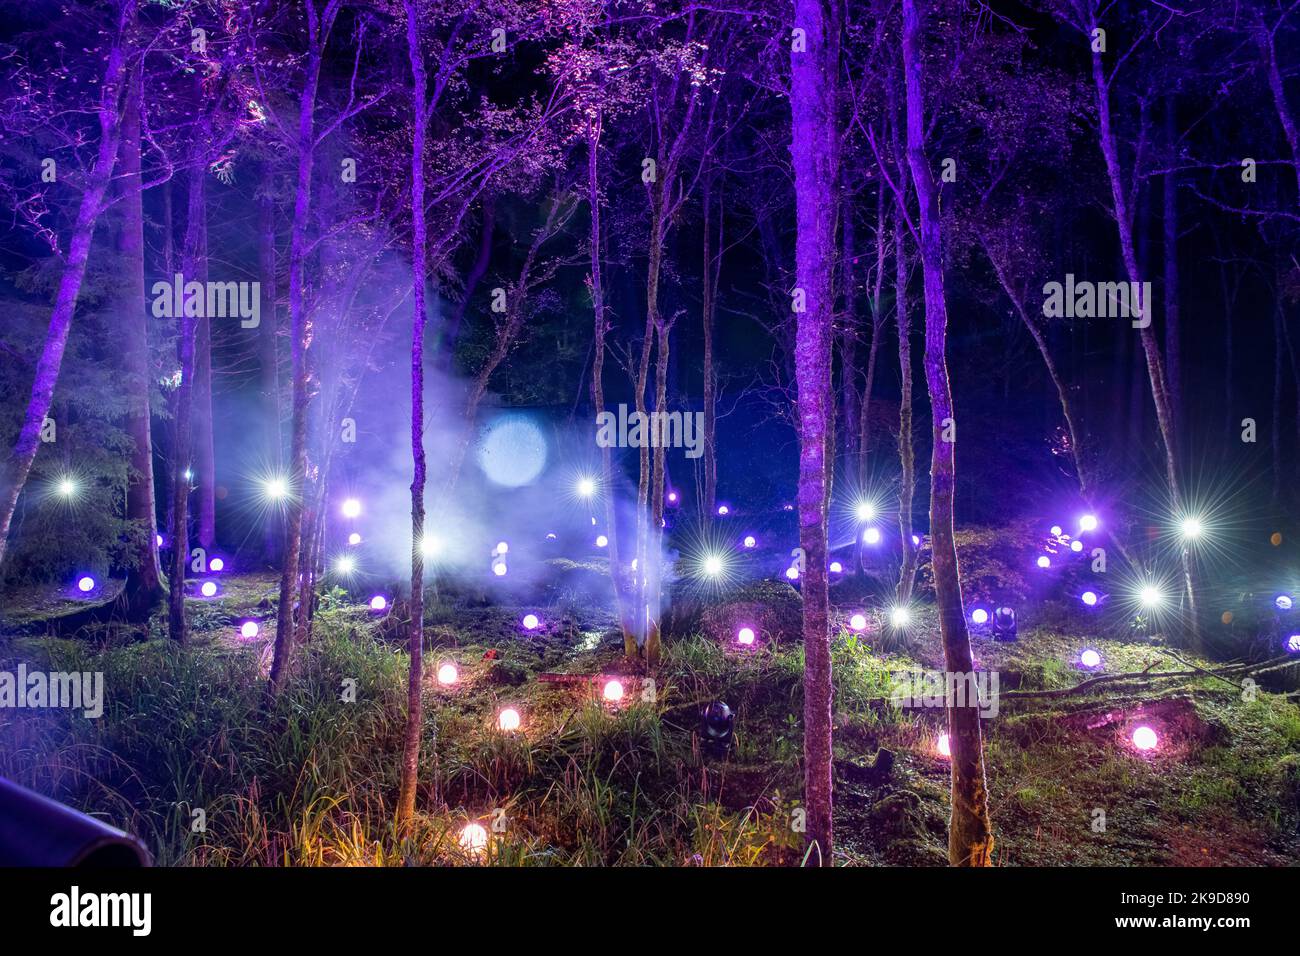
<point x="708" y="315"/>
<point x="854" y="474"/>
<point x="14" y="476"/>
<point x="144" y="582"/>
<point x="906" y="444"/>
<point x="1155" y="362"/>
<point x="607" y="482"/>
<point x="1173" y="331"/>
<point x="419" y="278"/>
<point x="654" y="571"/>
<point x="191" y="263"/>
<point x="814" y="150"/>
<point x="301" y="331"/>
<point x="268" y="356"/>
<point x="204" y="454"/>
<point x="970" y="835"/>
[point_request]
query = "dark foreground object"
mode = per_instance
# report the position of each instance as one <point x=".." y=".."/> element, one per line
<point x="38" y="831"/>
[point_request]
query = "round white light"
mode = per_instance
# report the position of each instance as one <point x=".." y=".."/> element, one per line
<point x="351" y="508"/>
<point x="86" y="584"/>
<point x="208" y="589"/>
<point x="67" y="487"/>
<point x="900" y="617"/>
<point x="1088" y="523"/>
<point x="249" y="629"/>
<point x="613" y="691"/>
<point x="274" y="488"/>
<point x="531" y="622"/>
<point x="1090" y="658"/>
<point x="378" y="602"/>
<point x="508" y="719"/>
<point x="1191" y="528"/>
<point x="1150" y="596"/>
<point x="713" y="565"/>
<point x="473" y="838"/>
<point x="746" y="635"/>
<point x="586" y="487"/>
<point x="871" y="536"/>
<point x="345" y="564"/>
<point x="979" y="616"/>
<point x="858" y="622"/>
<point x="354" y="538"/>
<point x="601" y="541"/>
<point x="865" y="510"/>
<point x="1044" y="561"/>
<point x="750" y="541"/>
<point x="217" y="564"/>
<point x="1144" y="738"/>
<point x="447" y="674"/>
<point x="430" y="546"/>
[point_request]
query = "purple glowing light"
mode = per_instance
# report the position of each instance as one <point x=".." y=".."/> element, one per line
<point x="159" y="539"/>
<point x="249" y="630"/>
<point x="979" y="616"/>
<point x="1089" y="598"/>
<point x="672" y="497"/>
<point x="871" y="536"/>
<point x="1056" y="531"/>
<point x="792" y="573"/>
<point x="858" y="622"/>
<point x="745" y="636"/>
<point x="750" y="541"/>
<point x="1144" y="738"/>
<point x="1283" y="602"/>
<point x="208" y="588"/>
<point x="86" y="584"/>
<point x="916" y="540"/>
<point x="1076" y="546"/>
<point x="354" y="538"/>
<point x="1292" y="644"/>
<point x="531" y="622"/>
<point x="351" y="508"/>
<point x="217" y="564"/>
<point x="499" y="568"/>
<point x="723" y="510"/>
<point x="1044" y="561"/>
<point x="378" y="603"/>
<point x="1090" y="658"/>
<point x="1088" y="523"/>
<point x="837" y="568"/>
<point x="601" y="541"/>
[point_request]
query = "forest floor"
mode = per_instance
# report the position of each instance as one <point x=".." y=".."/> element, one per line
<point x="310" y="778"/>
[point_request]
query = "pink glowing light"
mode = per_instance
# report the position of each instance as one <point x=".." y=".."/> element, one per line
<point x="746" y="636"/>
<point x="86" y="584"/>
<point x="613" y="691"/>
<point x="448" y="675"/>
<point x="672" y="496"/>
<point x="208" y="589"/>
<point x="1090" y="658"/>
<point x="378" y="603"/>
<point x="943" y="746"/>
<point x="249" y="630"/>
<point x="531" y="622"/>
<point x="1144" y="738"/>
<point x="858" y="622"/>
<point x="508" y="719"/>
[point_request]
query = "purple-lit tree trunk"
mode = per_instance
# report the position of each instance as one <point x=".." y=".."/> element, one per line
<point x="711" y="270"/>
<point x="419" y="278"/>
<point x="268" y="357"/>
<point x="814" y="149"/>
<point x="318" y="26"/>
<point x="598" y="386"/>
<point x="970" y="836"/>
<point x="906" y="444"/>
<point x="204" y="450"/>
<point x="65" y="302"/>
<point x="191" y="259"/>
<point x="144" y="583"/>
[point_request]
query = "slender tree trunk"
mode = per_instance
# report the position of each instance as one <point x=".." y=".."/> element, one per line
<point x="708" y="315"/>
<point x="814" y="150"/>
<point x="144" y="583"/>
<point x="268" y="356"/>
<point x="848" y="344"/>
<point x="598" y="387"/>
<point x="419" y="278"/>
<point x="301" y="330"/>
<point x="1173" y="331"/>
<point x="970" y="835"/>
<point x="906" y="444"/>
<point x="14" y="476"/>
<point x="204" y="455"/>
<point x="654" y="572"/>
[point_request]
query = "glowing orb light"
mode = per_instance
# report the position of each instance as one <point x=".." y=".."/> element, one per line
<point x="531" y="622"/>
<point x="979" y="616"/>
<point x="750" y="541"/>
<point x="900" y="617"/>
<point x="217" y="564"/>
<point x="513" y="451"/>
<point x="601" y="541"/>
<point x="67" y="487"/>
<point x="1144" y="738"/>
<point x="86" y="584"/>
<point x="1076" y="546"/>
<point x="447" y="674"/>
<point x="1090" y="658"/>
<point x="837" y="568"/>
<point x="473" y="838"/>
<point x="916" y="540"/>
<point x="1292" y="644"/>
<point x="1044" y="561"/>
<point x="871" y="536"/>
<point x="354" y="538"/>
<point x="792" y="573"/>
<point x="1191" y="528"/>
<point x="1088" y="523"/>
<point x="345" y="564"/>
<point x="499" y="568"/>
<point x="249" y="630"/>
<point x="430" y="546"/>
<point x="1056" y="531"/>
<point x="159" y="539"/>
<point x="351" y="508"/>
<point x="208" y="589"/>
<point x="712" y="565"/>
<point x="865" y="510"/>
<point x="274" y="489"/>
<point x="613" y="691"/>
<point x="586" y="487"/>
<point x="503" y="547"/>
<point x="745" y="636"/>
<point x="858" y="622"/>
<point x="508" y="719"/>
<point x="1151" y="596"/>
<point x="943" y="746"/>
<point x="1283" y="602"/>
<point x="1089" y="598"/>
<point x="672" y="497"/>
<point x="723" y="510"/>
<point x="378" y="603"/>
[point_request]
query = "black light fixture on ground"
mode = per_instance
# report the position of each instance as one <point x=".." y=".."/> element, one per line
<point x="1004" y="623"/>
